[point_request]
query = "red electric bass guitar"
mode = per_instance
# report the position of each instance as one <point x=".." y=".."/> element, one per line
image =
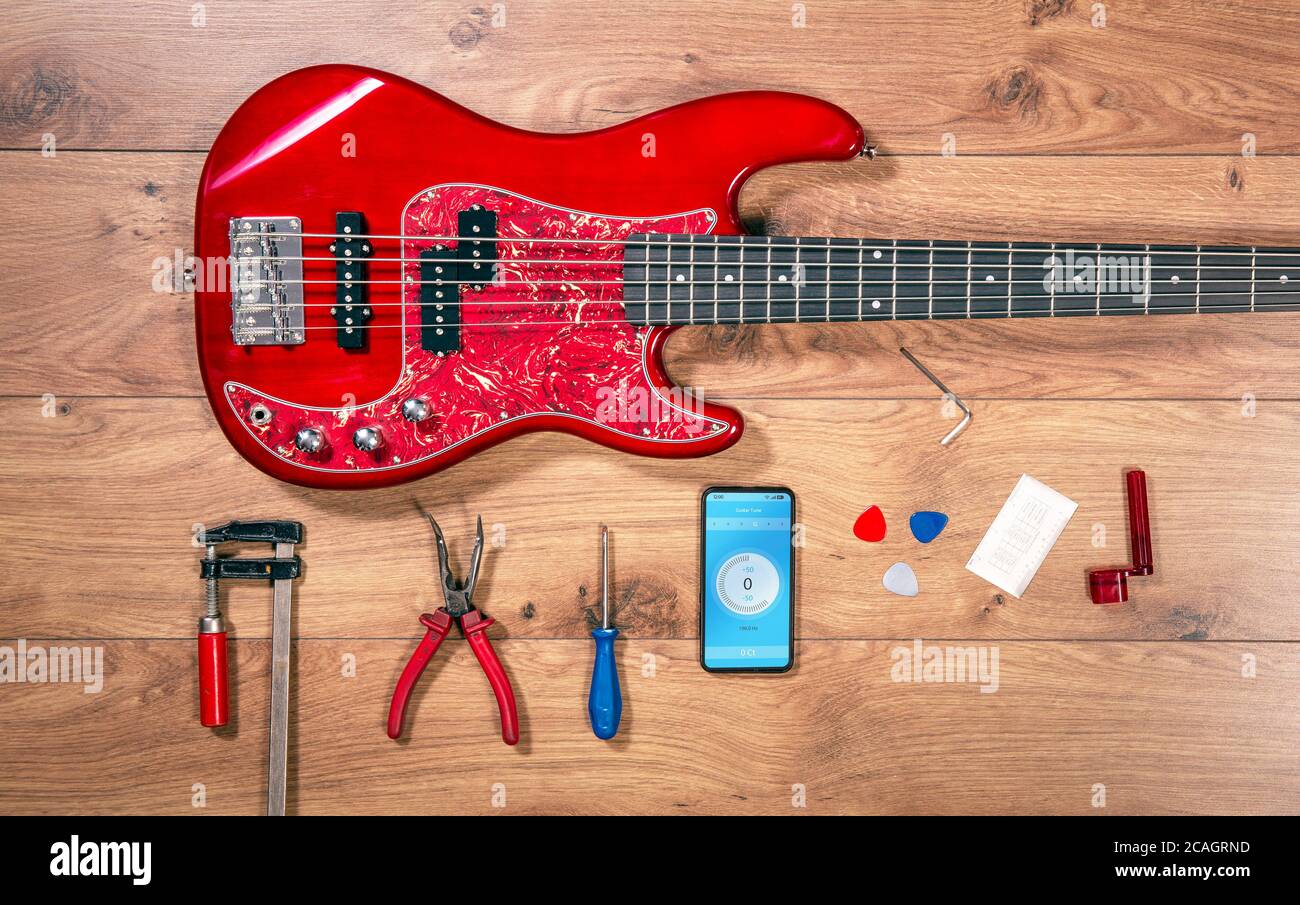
<point x="390" y="283"/>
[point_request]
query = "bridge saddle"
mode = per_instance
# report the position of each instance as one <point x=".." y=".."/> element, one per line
<point x="266" y="281"/>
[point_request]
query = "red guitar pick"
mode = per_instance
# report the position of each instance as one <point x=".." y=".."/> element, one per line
<point x="870" y="525"/>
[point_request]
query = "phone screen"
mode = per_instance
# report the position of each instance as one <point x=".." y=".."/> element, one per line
<point x="747" y="579"/>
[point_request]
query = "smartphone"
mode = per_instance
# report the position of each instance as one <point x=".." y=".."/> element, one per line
<point x="746" y="579"/>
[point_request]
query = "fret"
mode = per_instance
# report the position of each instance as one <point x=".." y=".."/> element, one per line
<point x="1081" y="276"/>
<point x="1011" y="287"/>
<point x="679" y="278"/>
<point x="814" y="254"/>
<point x="1277" y="279"/>
<point x="1253" y="254"/>
<point x="948" y="292"/>
<point x="969" y="288"/>
<point x="843" y="300"/>
<point x="893" y="283"/>
<point x="991" y="294"/>
<point x="768" y="279"/>
<point x="1052" y="284"/>
<point x="1122" y="279"/>
<point x="753" y="275"/>
<point x="929" y="287"/>
<point x="1225" y="279"/>
<point x="1198" y="279"/>
<point x="784" y="293"/>
<point x="1146" y="292"/>
<point x="657" y="281"/>
<point x="1035" y="270"/>
<point x="1098" y="281"/>
<point x="729" y="251"/>
<point x="861" y="249"/>
<point x="690" y="283"/>
<point x="912" y="280"/>
<point x="645" y="256"/>
<point x="877" y="285"/>
<point x="1173" y="288"/>
<point x="636" y="285"/>
<point x="706" y="281"/>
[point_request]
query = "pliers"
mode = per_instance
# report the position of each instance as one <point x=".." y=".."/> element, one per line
<point x="473" y="624"/>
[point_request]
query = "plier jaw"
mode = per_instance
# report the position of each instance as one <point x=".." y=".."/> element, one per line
<point x="458" y="596"/>
<point x="459" y="608"/>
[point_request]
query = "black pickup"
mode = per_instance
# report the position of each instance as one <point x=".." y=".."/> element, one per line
<point x="448" y="275"/>
<point x="351" y="288"/>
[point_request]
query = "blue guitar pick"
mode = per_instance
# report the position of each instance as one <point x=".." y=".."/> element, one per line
<point x="927" y="525"/>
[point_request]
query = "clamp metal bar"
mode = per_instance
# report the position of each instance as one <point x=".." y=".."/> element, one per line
<point x="281" y="623"/>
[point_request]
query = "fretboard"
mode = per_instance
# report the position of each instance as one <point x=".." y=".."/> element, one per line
<point x="693" y="279"/>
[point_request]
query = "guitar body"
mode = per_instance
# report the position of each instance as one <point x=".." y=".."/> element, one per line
<point x="542" y="342"/>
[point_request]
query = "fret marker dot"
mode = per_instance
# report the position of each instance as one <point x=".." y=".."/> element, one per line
<point x="1174" y="279"/>
<point x="876" y="254"/>
<point x="989" y="278"/>
<point x="728" y="278"/>
<point x="1283" y="278"/>
<point x="681" y="277"/>
<point x="875" y="303"/>
<point x="783" y="278"/>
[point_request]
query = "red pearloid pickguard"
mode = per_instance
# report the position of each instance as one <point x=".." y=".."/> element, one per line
<point x="527" y="348"/>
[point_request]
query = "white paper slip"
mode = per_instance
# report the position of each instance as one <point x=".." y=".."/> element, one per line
<point x="1019" y="539"/>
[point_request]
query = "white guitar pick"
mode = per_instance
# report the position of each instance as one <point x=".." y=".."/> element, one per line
<point x="901" y="580"/>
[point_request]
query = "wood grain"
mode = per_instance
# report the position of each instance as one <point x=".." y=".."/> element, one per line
<point x="121" y="483"/>
<point x="105" y="222"/>
<point x="1010" y="76"/>
<point x="1064" y="718"/>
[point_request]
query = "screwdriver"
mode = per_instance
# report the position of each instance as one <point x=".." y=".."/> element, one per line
<point x="605" y="703"/>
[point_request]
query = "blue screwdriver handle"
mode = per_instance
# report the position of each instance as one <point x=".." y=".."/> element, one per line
<point x="605" y="703"/>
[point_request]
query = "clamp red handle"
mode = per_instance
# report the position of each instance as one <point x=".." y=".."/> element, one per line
<point x="438" y="625"/>
<point x="214" y="700"/>
<point x="476" y="635"/>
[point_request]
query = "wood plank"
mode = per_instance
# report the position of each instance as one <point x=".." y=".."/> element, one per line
<point x="1002" y="77"/>
<point x="1064" y="717"/>
<point x="97" y="508"/>
<point x="94" y="326"/>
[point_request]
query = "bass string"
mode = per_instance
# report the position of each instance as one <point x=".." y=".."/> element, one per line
<point x="721" y="240"/>
<point x="519" y="326"/>
<point x="1191" y="282"/>
<point x="803" y="300"/>
<point x="619" y="262"/>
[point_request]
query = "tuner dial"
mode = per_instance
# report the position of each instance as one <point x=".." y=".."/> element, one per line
<point x="309" y="440"/>
<point x="367" y="439"/>
<point x="415" y="410"/>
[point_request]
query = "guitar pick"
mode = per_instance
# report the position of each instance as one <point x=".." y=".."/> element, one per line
<point x="870" y="525"/>
<point x="927" y="525"/>
<point x="901" y="580"/>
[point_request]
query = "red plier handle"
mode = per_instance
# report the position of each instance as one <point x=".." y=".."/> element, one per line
<point x="475" y="626"/>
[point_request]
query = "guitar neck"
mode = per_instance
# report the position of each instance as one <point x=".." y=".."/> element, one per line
<point x="713" y="279"/>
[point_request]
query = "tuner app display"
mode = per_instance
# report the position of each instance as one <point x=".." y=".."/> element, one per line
<point x="747" y="580"/>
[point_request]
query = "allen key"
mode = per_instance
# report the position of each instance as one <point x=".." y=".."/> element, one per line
<point x="947" y="394"/>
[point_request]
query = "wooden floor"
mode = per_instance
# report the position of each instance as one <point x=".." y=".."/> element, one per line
<point x="1184" y="700"/>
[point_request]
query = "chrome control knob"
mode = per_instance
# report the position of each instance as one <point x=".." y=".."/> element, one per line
<point x="309" y="440"/>
<point x="415" y="410"/>
<point x="367" y="439"/>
